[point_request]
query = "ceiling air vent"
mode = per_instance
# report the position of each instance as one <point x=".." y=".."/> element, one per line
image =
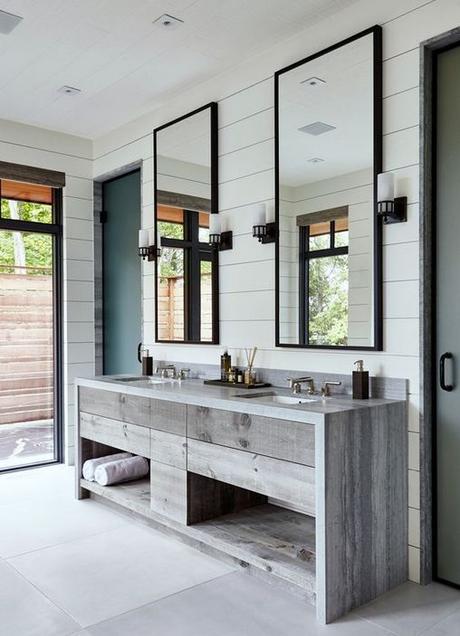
<point x="69" y="90"/>
<point x="316" y="128"/>
<point x="168" y="21"/>
<point x="313" y="81"/>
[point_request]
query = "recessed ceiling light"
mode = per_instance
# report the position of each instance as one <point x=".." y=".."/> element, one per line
<point x="168" y="21"/>
<point x="316" y="128"/>
<point x="313" y="81"/>
<point x="8" y="21"/>
<point x="315" y="160"/>
<point x="69" y="90"/>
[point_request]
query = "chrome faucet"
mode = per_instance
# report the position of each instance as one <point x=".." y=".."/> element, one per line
<point x="296" y="384"/>
<point x="325" y="390"/>
<point x="165" y="370"/>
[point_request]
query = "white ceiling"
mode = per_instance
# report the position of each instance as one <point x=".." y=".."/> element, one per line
<point x="344" y="101"/>
<point x="125" y="65"/>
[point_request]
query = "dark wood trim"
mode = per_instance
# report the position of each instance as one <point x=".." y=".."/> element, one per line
<point x="376" y="32"/>
<point x="191" y="308"/>
<point x="184" y="201"/>
<point x="30" y="174"/>
<point x="429" y="51"/>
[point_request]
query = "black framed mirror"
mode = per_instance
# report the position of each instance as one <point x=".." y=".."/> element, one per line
<point x="328" y="153"/>
<point x="185" y="195"/>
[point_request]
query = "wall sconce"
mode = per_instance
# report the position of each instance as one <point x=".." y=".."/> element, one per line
<point x="220" y="240"/>
<point x="391" y="209"/>
<point x="264" y="228"/>
<point x="147" y="248"/>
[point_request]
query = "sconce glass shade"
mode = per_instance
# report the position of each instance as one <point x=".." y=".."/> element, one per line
<point x="385" y="187"/>
<point x="143" y="238"/>
<point x="259" y="215"/>
<point x="214" y="224"/>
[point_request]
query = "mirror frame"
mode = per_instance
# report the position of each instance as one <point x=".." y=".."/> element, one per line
<point x="376" y="32"/>
<point x="214" y="209"/>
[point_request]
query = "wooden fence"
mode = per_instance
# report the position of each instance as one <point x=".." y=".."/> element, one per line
<point x="26" y="346"/>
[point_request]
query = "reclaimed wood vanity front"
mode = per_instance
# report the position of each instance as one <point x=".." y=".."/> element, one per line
<point x="314" y="498"/>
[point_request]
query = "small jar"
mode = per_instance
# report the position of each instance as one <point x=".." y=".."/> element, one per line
<point x="240" y="377"/>
<point x="232" y="375"/>
<point x="250" y="377"/>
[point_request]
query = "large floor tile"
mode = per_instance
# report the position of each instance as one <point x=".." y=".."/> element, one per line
<point x="24" y="611"/>
<point x="54" y="482"/>
<point x="109" y="573"/>
<point x="449" y="626"/>
<point x="233" y="605"/>
<point x="410" y="609"/>
<point x="35" y="524"/>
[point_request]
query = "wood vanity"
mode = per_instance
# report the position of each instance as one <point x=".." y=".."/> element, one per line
<point x="313" y="497"/>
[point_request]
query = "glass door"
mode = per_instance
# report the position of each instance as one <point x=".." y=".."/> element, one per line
<point x="29" y="325"/>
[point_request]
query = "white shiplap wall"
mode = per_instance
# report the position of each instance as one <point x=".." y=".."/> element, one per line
<point x="32" y="146"/>
<point x="245" y="97"/>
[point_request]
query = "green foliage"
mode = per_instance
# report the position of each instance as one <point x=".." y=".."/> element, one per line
<point x="328" y="300"/>
<point x="38" y="247"/>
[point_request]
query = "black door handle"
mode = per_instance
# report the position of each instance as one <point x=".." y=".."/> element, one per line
<point x="442" y="371"/>
<point x="139" y="349"/>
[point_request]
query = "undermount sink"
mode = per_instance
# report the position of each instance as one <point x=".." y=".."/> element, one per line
<point x="142" y="378"/>
<point x="278" y="399"/>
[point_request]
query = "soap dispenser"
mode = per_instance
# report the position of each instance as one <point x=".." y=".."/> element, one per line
<point x="145" y="359"/>
<point x="360" y="381"/>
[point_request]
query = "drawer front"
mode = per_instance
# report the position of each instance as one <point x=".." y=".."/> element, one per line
<point x="168" y="449"/>
<point x="287" y="481"/>
<point x="169" y="417"/>
<point x="127" y="437"/>
<point x="281" y="439"/>
<point x="117" y="406"/>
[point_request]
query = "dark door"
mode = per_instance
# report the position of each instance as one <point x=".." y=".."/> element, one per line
<point x="448" y="316"/>
<point x="122" y="274"/>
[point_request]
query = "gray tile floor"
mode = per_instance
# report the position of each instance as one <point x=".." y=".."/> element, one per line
<point x="76" y="567"/>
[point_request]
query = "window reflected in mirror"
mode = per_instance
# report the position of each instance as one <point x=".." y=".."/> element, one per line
<point x="324" y="258"/>
<point x="186" y="275"/>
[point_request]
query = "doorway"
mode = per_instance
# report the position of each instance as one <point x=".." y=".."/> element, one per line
<point x="122" y="273"/>
<point x="30" y="324"/>
<point x="446" y="398"/>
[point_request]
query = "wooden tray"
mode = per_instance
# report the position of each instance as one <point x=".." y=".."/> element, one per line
<point x="237" y="385"/>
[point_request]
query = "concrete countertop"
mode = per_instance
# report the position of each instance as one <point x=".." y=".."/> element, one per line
<point x="195" y="392"/>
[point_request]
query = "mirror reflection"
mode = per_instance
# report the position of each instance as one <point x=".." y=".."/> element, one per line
<point x="326" y="199"/>
<point x="186" y="271"/>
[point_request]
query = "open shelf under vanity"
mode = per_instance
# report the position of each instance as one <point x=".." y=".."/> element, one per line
<point x="278" y="541"/>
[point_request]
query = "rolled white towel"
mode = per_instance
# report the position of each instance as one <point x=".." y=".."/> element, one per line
<point x="121" y="470"/>
<point x="89" y="467"/>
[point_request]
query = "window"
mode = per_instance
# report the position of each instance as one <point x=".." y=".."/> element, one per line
<point x="30" y="321"/>
<point x="186" y="277"/>
<point x="323" y="298"/>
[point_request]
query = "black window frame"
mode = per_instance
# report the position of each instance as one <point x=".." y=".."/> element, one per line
<point x="54" y="229"/>
<point x="306" y="255"/>
<point x="195" y="252"/>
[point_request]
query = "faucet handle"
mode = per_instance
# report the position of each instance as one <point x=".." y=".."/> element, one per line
<point x="184" y="373"/>
<point x="325" y="390"/>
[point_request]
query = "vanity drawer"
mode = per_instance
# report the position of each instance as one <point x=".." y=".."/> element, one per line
<point x="117" y="406"/>
<point x="169" y="417"/>
<point x="281" y="439"/>
<point x="290" y="482"/>
<point x="127" y="437"/>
